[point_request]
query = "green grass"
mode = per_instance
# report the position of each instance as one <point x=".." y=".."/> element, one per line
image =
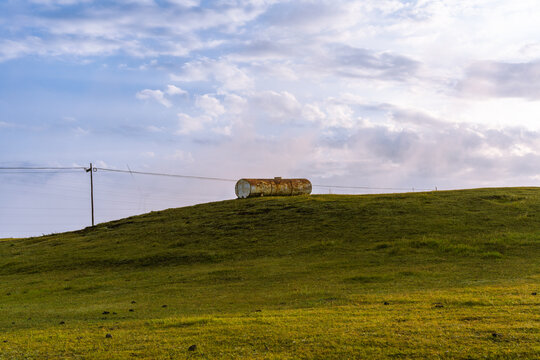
<point x="422" y="275"/>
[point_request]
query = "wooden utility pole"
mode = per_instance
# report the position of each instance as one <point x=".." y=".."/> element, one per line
<point x="91" y="170"/>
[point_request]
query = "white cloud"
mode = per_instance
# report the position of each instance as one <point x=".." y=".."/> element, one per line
<point x="80" y="131"/>
<point x="216" y="116"/>
<point x="497" y="79"/>
<point x="185" y="3"/>
<point x="210" y="105"/>
<point x="146" y="28"/>
<point x="339" y="115"/>
<point x="10" y="49"/>
<point x="174" y="90"/>
<point x="229" y="76"/>
<point x="59" y="2"/>
<point x="193" y="71"/>
<point x="223" y="130"/>
<point x="312" y="112"/>
<point x="188" y="124"/>
<point x="156" y="95"/>
<point x="160" y="96"/>
<point x="235" y="104"/>
<point x="281" y="106"/>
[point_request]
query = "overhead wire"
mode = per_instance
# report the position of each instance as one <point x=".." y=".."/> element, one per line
<point x="39" y="172"/>
<point x="369" y="187"/>
<point x="42" y="168"/>
<point x="164" y="174"/>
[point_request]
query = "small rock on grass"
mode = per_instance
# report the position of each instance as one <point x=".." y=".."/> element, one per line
<point x="386" y="303"/>
<point x="163" y="306"/>
<point x="133" y="302"/>
<point x="533" y="293"/>
<point x="62" y="322"/>
<point x="105" y="313"/>
<point x="108" y="336"/>
<point x="192" y="347"/>
<point x="131" y="310"/>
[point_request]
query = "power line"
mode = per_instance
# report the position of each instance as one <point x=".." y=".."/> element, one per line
<point x="42" y="168"/>
<point x="168" y="175"/>
<point x="234" y="180"/>
<point x="39" y="172"/>
<point x="369" y="188"/>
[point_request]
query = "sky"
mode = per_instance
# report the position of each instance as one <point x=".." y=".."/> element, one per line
<point x="419" y="94"/>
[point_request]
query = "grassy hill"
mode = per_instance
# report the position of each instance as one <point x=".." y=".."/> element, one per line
<point x="422" y="275"/>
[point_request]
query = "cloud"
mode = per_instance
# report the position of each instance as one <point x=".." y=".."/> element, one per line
<point x="362" y="63"/>
<point x="188" y="124"/>
<point x="10" y="49"/>
<point x="141" y="28"/>
<point x="185" y="3"/>
<point x="174" y="90"/>
<point x="161" y="96"/>
<point x="234" y="104"/>
<point x="390" y="154"/>
<point x="282" y="106"/>
<point x="79" y="131"/>
<point x="313" y="16"/>
<point x="229" y="76"/>
<point x="212" y="115"/>
<point x="33" y="45"/>
<point x="499" y="79"/>
<point x="210" y="105"/>
<point x="59" y="2"/>
<point x="312" y="112"/>
<point x="456" y="154"/>
<point x="339" y="115"/>
<point x="156" y="95"/>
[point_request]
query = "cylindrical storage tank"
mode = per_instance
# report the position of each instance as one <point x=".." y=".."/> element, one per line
<point x="272" y="187"/>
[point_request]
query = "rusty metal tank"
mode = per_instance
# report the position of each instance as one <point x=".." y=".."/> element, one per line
<point x="272" y="187"/>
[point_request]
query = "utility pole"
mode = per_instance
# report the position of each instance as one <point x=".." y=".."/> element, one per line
<point x="91" y="170"/>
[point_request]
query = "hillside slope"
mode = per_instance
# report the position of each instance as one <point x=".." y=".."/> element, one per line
<point x="444" y="274"/>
